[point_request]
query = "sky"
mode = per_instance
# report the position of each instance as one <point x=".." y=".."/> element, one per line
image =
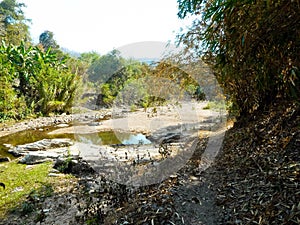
<point x="103" y="25"/>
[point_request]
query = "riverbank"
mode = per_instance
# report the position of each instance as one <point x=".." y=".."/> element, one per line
<point x="35" y="123"/>
<point x="140" y="120"/>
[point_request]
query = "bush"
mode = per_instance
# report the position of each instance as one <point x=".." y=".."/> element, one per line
<point x="11" y="106"/>
<point x="253" y="47"/>
<point x="56" y="89"/>
<point x="33" y="81"/>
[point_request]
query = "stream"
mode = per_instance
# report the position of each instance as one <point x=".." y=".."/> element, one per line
<point x="100" y="138"/>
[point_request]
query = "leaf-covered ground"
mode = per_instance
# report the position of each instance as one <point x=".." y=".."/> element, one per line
<point x="259" y="168"/>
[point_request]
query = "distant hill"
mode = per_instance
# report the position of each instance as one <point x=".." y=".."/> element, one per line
<point x="148" y="61"/>
<point x="71" y="52"/>
<point x="147" y="51"/>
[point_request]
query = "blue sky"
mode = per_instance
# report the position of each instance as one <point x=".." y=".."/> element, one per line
<point x="102" y="25"/>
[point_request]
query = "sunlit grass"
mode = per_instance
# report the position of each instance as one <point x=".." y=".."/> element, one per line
<point x="20" y="181"/>
<point x="215" y="105"/>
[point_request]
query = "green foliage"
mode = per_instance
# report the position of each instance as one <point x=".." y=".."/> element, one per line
<point x="11" y="106"/>
<point x="108" y="94"/>
<point x="214" y="105"/>
<point x="89" y="57"/>
<point x="126" y="76"/>
<point x="34" y="81"/>
<point x="13" y="23"/>
<point x="66" y="164"/>
<point x="253" y="47"/>
<point x="55" y="89"/>
<point x="102" y="68"/>
<point x="138" y="85"/>
<point x="47" y="40"/>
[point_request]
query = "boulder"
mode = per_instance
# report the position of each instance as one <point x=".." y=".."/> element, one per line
<point x="163" y="138"/>
<point x="45" y="150"/>
<point x="38" y="157"/>
<point x="35" y="157"/>
<point x="4" y="159"/>
<point x="169" y="138"/>
<point x="77" y="167"/>
<point x="42" y="145"/>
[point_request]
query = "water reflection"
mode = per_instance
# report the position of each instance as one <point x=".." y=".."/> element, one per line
<point x="135" y="139"/>
<point x="110" y="138"/>
<point x="101" y="138"/>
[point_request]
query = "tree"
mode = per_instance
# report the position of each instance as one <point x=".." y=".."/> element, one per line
<point x="253" y="47"/>
<point x="89" y="57"/>
<point x="104" y="67"/>
<point x="114" y="85"/>
<point x="35" y="80"/>
<point x="47" y="41"/>
<point x="14" y="28"/>
<point x="11" y="106"/>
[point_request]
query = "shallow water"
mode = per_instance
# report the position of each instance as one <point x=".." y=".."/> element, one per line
<point x="101" y="138"/>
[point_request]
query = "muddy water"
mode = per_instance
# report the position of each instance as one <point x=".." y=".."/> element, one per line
<point x="102" y="138"/>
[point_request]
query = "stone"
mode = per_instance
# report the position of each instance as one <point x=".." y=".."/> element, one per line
<point x="8" y="145"/>
<point x="162" y="137"/>
<point x="62" y="125"/>
<point x="51" y="155"/>
<point x="94" y="124"/>
<point x="169" y="138"/>
<point x="45" y="150"/>
<point x="4" y="159"/>
<point x="56" y="175"/>
<point x="42" y="145"/>
<point x="54" y="171"/>
<point x="37" y="157"/>
<point x="29" y="167"/>
<point x="18" y="189"/>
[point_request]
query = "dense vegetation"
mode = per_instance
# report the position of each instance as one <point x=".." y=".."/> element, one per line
<point x="35" y="80"/>
<point x="254" y="50"/>
<point x="137" y="84"/>
<point x="253" y="47"/>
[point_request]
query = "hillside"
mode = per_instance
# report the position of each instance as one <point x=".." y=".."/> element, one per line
<point x="258" y="171"/>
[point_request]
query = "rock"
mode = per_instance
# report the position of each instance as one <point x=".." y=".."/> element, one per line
<point x="169" y="138"/>
<point x="62" y="125"/>
<point x="31" y="157"/>
<point x="94" y="124"/>
<point x="74" y="166"/>
<point x="18" y="189"/>
<point x="29" y="167"/>
<point x="45" y="144"/>
<point x="38" y="157"/>
<point x="4" y="159"/>
<point x="162" y="138"/>
<point x="56" y="175"/>
<point x="8" y="145"/>
<point x="54" y="171"/>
